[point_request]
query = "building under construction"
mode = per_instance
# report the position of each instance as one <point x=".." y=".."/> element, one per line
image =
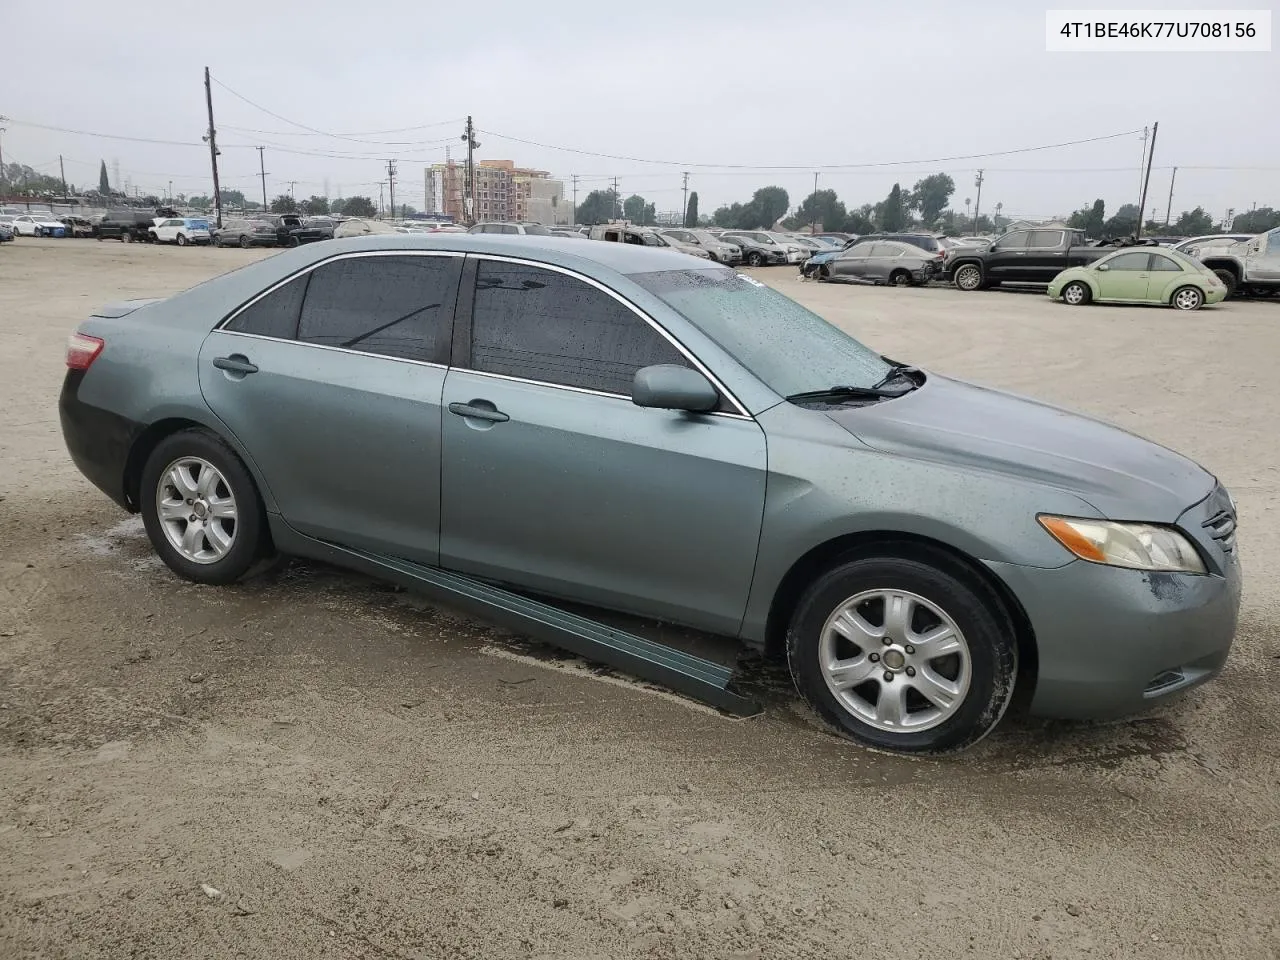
<point x="503" y="192"/>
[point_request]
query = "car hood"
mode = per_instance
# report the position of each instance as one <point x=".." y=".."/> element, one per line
<point x="1122" y="475"/>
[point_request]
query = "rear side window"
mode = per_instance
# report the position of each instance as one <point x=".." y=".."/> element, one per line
<point x="541" y="325"/>
<point x="275" y="315"/>
<point x="886" y="250"/>
<point x="1165" y="264"/>
<point x="1045" y="239"/>
<point x="389" y="305"/>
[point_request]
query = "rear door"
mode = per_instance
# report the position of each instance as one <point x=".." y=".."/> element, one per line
<point x="554" y="481"/>
<point x="332" y="383"/>
<point x="1005" y="260"/>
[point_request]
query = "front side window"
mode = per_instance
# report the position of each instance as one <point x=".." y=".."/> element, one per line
<point x="1129" y="261"/>
<point x="1014" y="241"/>
<point x="546" y="326"/>
<point x="388" y="305"/>
<point x="858" y="252"/>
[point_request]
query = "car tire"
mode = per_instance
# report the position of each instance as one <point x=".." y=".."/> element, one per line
<point x="1187" y="298"/>
<point x="755" y="260"/>
<point x="181" y="241"/>
<point x="823" y="272"/>
<point x="127" y="236"/>
<point x="968" y="277"/>
<point x="213" y="548"/>
<point x="969" y="683"/>
<point x="714" y="258"/>
<point x="1076" y="294"/>
<point x="245" y="242"/>
<point x="293" y="241"/>
<point x="1229" y="280"/>
<point x="900" y="278"/>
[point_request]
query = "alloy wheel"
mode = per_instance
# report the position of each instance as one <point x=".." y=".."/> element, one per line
<point x="197" y="509"/>
<point x="1186" y="299"/>
<point x="1074" y="294"/>
<point x="895" y="660"/>
<point x="968" y="277"/>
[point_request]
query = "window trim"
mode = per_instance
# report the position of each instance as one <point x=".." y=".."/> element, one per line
<point x="447" y="324"/>
<point x="462" y="351"/>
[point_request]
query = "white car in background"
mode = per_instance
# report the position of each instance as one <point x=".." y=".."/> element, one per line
<point x="180" y="230"/>
<point x="38" y="225"/>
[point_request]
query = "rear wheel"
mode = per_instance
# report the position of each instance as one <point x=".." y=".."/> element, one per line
<point x="1228" y="278"/>
<point x="127" y="236"/>
<point x="1186" y="298"/>
<point x="1076" y="293"/>
<point x="293" y="241"/>
<point x="245" y="242"/>
<point x="903" y="655"/>
<point x="968" y="277"/>
<point x="201" y="508"/>
<point x="182" y="241"/>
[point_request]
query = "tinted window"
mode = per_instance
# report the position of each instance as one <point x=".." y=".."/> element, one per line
<point x="1045" y="238"/>
<point x="386" y="305"/>
<point x="1128" y="261"/>
<point x="546" y="326"/>
<point x="1014" y="241"/>
<point x="275" y="315"/>
<point x="1164" y="264"/>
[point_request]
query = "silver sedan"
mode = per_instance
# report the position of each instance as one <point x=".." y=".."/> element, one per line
<point x="881" y="261"/>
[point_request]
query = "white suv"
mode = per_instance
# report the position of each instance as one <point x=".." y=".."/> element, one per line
<point x="180" y="230"/>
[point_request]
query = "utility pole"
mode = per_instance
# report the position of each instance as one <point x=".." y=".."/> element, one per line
<point x="170" y="193"/>
<point x="614" y="210"/>
<point x="381" y="184"/>
<point x="391" y="185"/>
<point x="212" y="137"/>
<point x="262" y="172"/>
<point x="1142" y="201"/>
<point x="977" y="204"/>
<point x="292" y="184"/>
<point x="684" y="207"/>
<point x="575" y="200"/>
<point x="469" y="202"/>
<point x="3" y="177"/>
<point x="62" y="170"/>
<point x="1168" y="211"/>
<point x="1146" y="132"/>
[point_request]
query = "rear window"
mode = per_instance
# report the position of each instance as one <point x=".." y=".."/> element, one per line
<point x="534" y="230"/>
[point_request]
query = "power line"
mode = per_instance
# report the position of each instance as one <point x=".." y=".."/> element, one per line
<point x="366" y="133"/>
<point x="107" y="136"/>
<point x="817" y="166"/>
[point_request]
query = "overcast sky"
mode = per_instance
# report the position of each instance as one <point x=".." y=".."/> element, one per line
<point x="703" y="85"/>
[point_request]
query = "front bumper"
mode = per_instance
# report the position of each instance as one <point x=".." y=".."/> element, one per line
<point x="1112" y="642"/>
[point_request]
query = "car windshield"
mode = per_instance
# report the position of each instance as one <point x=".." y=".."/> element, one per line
<point x="786" y="346"/>
<point x="535" y="230"/>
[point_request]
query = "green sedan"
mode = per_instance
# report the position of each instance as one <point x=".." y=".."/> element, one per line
<point x="1143" y="275"/>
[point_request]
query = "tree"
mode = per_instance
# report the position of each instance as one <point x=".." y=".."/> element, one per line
<point x="1123" y="224"/>
<point x="1256" y="221"/>
<point x="599" y="207"/>
<point x="1193" y="223"/>
<point x="820" y="207"/>
<point x="315" y="206"/>
<point x="335" y="206"/>
<point x="284" y="204"/>
<point x="931" y="195"/>
<point x="104" y="185"/>
<point x="859" y="221"/>
<point x="691" y="211"/>
<point x="893" y="211"/>
<point x="767" y="207"/>
<point x="359" y="207"/>
<point x="633" y="208"/>
<point x="200" y="202"/>
<point x="1092" y="220"/>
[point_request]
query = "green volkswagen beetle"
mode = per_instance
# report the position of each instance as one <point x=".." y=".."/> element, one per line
<point x="1140" y="275"/>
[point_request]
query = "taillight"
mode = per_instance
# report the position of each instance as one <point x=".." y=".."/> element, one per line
<point x="82" y="350"/>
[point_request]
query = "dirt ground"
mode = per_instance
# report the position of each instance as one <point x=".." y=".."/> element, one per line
<point x="315" y="765"/>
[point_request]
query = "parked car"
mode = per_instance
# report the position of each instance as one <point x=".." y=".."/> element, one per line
<point x="38" y="225"/>
<point x="291" y="231"/>
<point x="758" y="248"/>
<point x="1140" y="275"/>
<point x="326" y="225"/>
<point x="924" y="241"/>
<point x="837" y="237"/>
<point x="244" y="233"/>
<point x="919" y="549"/>
<point x="571" y="234"/>
<point x="530" y="229"/>
<point x="127" y="225"/>
<point x="891" y="262"/>
<point x="359" y="227"/>
<point x="6" y="230"/>
<point x="78" y="227"/>
<point x="1252" y="265"/>
<point x="643" y="236"/>
<point x="719" y="250"/>
<point x="1023" y="256"/>
<point x="1192" y="245"/>
<point x="183" y="231"/>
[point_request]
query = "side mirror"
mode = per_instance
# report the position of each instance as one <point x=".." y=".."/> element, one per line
<point x="1104" y="266"/>
<point x="666" y="386"/>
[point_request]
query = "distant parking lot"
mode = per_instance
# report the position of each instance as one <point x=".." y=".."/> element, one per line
<point x="356" y="772"/>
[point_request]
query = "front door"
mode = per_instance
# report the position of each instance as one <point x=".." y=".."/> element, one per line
<point x="1126" y="276"/>
<point x="1264" y="257"/>
<point x="329" y="382"/>
<point x="852" y="264"/>
<point x="1006" y="260"/>
<point x="1046" y="256"/>
<point x="554" y="481"/>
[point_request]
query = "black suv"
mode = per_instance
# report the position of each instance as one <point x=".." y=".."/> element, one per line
<point x="126" y="225"/>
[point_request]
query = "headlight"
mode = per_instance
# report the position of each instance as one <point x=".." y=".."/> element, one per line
<point x="1137" y="546"/>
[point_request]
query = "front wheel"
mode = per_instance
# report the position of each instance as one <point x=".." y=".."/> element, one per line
<point x="903" y="655"/>
<point x="293" y="241"/>
<point x="201" y="508"/>
<point x="900" y="278"/>
<point x="127" y="237"/>
<point x="1076" y="294"/>
<point x="1187" y="298"/>
<point x="755" y="260"/>
<point x="968" y="277"/>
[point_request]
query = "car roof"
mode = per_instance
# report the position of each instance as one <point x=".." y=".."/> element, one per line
<point x="623" y="258"/>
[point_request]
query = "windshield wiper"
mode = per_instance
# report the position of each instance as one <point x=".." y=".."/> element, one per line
<point x="899" y="371"/>
<point x="856" y="393"/>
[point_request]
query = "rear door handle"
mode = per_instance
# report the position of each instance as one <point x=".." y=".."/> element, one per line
<point x="476" y="412"/>
<point x="236" y="363"/>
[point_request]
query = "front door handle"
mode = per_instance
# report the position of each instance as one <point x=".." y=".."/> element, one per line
<point x="236" y="363"/>
<point x="479" y="410"/>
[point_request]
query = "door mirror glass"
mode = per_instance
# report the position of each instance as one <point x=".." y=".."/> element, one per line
<point x="1104" y="266"/>
<point x="669" y="387"/>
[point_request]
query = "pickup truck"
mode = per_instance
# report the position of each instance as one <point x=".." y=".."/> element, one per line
<point x="1252" y="265"/>
<point x="291" y="231"/>
<point x="1024" y="256"/>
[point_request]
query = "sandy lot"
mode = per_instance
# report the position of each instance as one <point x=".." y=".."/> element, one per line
<point x="354" y="772"/>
